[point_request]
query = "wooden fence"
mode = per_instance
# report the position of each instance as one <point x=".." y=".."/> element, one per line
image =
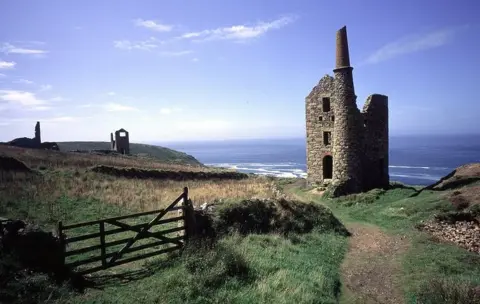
<point x="115" y="257"/>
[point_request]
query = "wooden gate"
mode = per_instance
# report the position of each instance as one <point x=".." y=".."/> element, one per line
<point x="112" y="253"/>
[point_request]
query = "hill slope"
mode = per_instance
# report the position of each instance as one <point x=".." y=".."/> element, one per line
<point x="160" y="153"/>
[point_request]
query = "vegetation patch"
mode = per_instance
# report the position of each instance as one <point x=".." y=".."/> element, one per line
<point x="275" y="216"/>
<point x="167" y="175"/>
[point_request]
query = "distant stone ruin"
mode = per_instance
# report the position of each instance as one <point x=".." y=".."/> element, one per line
<point x="35" y="142"/>
<point x="121" y="143"/>
<point x="346" y="149"/>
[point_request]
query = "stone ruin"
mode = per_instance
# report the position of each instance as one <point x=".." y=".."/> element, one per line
<point x="35" y="142"/>
<point x="121" y="143"/>
<point x="347" y="150"/>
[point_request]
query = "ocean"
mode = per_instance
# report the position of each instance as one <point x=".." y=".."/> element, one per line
<point x="414" y="160"/>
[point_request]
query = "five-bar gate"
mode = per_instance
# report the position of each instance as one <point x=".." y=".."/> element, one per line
<point x="151" y="238"/>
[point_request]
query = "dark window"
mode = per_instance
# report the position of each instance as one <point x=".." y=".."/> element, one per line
<point x="320" y="118"/>
<point x="327" y="167"/>
<point x="326" y="104"/>
<point x="333" y="118"/>
<point x="327" y="138"/>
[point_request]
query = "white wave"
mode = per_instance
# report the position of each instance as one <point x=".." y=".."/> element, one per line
<point x="427" y="177"/>
<point x="414" y="167"/>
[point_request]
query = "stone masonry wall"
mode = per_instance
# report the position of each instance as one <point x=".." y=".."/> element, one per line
<point x="375" y="116"/>
<point x="316" y="150"/>
<point x="122" y="143"/>
<point x="348" y="134"/>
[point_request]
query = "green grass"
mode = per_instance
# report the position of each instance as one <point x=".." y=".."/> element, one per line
<point x="274" y="266"/>
<point x="160" y="153"/>
<point x="252" y="269"/>
<point x="431" y="269"/>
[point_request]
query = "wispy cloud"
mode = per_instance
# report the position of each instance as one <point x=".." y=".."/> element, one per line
<point x="7" y="64"/>
<point x="195" y="60"/>
<point x="8" y="48"/>
<point x="26" y="100"/>
<point x="115" y="107"/>
<point x="111" y="93"/>
<point x="45" y="87"/>
<point x="153" y="25"/>
<point x="144" y="45"/>
<point x="413" y="43"/>
<point x="239" y="32"/>
<point x="2" y="75"/>
<point x="167" y="111"/>
<point x="24" y="81"/>
<point x="58" y="99"/>
<point x="175" y="54"/>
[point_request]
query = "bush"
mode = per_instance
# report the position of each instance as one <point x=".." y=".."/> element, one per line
<point x="275" y="216"/>
<point x="438" y="291"/>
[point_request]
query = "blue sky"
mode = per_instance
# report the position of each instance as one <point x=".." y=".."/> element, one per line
<point x="193" y="70"/>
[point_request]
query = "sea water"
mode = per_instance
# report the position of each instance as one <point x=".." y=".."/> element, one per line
<point x="414" y="160"/>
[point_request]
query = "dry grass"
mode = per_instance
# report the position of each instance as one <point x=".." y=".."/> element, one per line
<point x="56" y="159"/>
<point x="133" y="194"/>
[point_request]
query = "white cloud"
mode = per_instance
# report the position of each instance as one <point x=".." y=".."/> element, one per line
<point x="195" y="60"/>
<point x="27" y="99"/>
<point x="175" y="54"/>
<point x="2" y="75"/>
<point x="239" y="32"/>
<point x="8" y="48"/>
<point x="40" y="108"/>
<point x="412" y="44"/>
<point x="153" y="25"/>
<point x="167" y="111"/>
<point x="115" y="107"/>
<point x="144" y="45"/>
<point x="58" y="99"/>
<point x="24" y="81"/>
<point x="45" y="87"/>
<point x="7" y="64"/>
<point x="111" y="93"/>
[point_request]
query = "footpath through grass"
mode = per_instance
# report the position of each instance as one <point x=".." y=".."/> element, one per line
<point x="432" y="272"/>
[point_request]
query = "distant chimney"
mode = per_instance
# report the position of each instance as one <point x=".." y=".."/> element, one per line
<point x="38" y="139"/>
<point x="342" y="54"/>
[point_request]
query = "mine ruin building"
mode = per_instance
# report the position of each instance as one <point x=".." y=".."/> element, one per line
<point x="121" y="142"/>
<point x="346" y="149"/>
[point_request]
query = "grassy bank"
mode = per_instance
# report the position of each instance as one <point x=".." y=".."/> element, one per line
<point x="291" y="262"/>
<point x="432" y="271"/>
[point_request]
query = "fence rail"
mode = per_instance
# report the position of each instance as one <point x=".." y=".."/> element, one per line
<point x="142" y="230"/>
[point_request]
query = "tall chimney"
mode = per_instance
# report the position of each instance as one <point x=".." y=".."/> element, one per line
<point x="342" y="54"/>
<point x="38" y="139"/>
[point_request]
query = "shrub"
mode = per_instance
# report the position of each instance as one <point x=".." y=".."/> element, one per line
<point x="438" y="291"/>
<point x="274" y="216"/>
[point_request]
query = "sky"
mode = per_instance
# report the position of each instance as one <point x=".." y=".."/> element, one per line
<point x="216" y="69"/>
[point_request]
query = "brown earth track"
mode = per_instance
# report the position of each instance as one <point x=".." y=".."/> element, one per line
<point x="371" y="269"/>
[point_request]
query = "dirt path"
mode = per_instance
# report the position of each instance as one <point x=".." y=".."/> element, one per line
<point x="371" y="270"/>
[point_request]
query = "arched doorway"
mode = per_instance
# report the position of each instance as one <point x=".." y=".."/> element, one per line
<point x="327" y="167"/>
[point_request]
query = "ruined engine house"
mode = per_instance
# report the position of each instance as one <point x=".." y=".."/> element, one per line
<point x="346" y="148"/>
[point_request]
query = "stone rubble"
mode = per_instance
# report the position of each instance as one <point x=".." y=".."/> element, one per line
<point x="465" y="234"/>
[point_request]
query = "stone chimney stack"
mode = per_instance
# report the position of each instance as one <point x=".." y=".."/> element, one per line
<point x="112" y="142"/>
<point x="38" y="139"/>
<point x="342" y="54"/>
<point x="347" y="134"/>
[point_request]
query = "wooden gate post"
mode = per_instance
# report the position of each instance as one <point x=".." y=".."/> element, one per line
<point x="189" y="216"/>
<point x="61" y="239"/>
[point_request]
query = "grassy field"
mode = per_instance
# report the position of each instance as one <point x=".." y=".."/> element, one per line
<point x="317" y="265"/>
<point x="162" y="154"/>
<point x="431" y="271"/>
